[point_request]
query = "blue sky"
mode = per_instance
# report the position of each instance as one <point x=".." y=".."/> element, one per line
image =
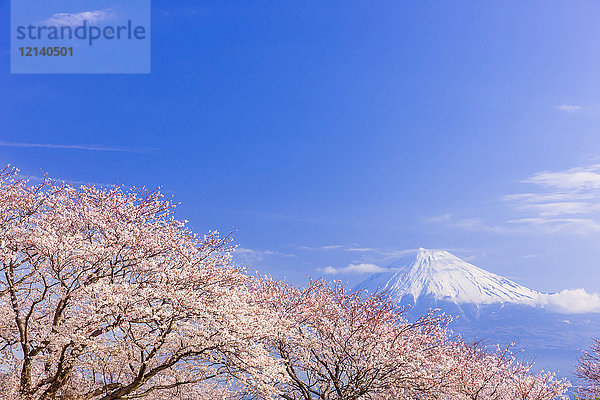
<point x="338" y="133"/>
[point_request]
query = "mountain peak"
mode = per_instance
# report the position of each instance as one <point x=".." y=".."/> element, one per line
<point x="444" y="276"/>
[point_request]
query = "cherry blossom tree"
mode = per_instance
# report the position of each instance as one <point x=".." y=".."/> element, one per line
<point x="343" y="345"/>
<point x="525" y="385"/>
<point x="481" y="374"/>
<point x="588" y="371"/>
<point x="105" y="295"/>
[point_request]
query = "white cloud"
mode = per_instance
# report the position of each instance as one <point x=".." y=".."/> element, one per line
<point x="364" y="268"/>
<point x="439" y="218"/>
<point x="76" y="19"/>
<point x="90" y="147"/>
<point x="477" y="225"/>
<point x="560" y="208"/>
<point x="569" y="108"/>
<point x="553" y="225"/>
<point x="352" y="248"/>
<point x="329" y="270"/>
<point x="359" y="249"/>
<point x="531" y="256"/>
<point x="575" y="179"/>
<point x="546" y="197"/>
<point x="572" y="301"/>
<point x="252" y="255"/>
<point x="568" y="201"/>
<point x="565" y="201"/>
<point x="469" y="224"/>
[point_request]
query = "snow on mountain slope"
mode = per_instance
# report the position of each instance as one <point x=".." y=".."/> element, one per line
<point x="443" y="276"/>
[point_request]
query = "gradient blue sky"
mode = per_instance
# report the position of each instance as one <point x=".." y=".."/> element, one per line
<point x="337" y="133"/>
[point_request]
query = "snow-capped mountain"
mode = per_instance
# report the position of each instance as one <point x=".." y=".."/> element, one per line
<point x="492" y="308"/>
<point x="443" y="276"/>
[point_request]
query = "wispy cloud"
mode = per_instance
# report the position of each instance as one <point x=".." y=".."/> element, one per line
<point x="364" y="268"/>
<point x="370" y="253"/>
<point x="557" y="201"/>
<point x="439" y="219"/>
<point x="561" y="208"/>
<point x="86" y="147"/>
<point x="566" y="201"/>
<point x="478" y="225"/>
<point x="569" y="108"/>
<point x="253" y="255"/>
<point x="574" y="180"/>
<point x="580" y="226"/>
<point x="359" y="249"/>
<point x="473" y="224"/>
<point x="546" y="197"/>
<point x="341" y="247"/>
<point x="77" y="19"/>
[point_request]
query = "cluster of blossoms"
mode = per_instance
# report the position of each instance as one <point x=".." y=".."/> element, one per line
<point x="104" y="295"/>
<point x="589" y="372"/>
<point x="342" y="345"/>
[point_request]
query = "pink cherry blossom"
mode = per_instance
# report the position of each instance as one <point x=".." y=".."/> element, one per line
<point x="105" y="295"/>
<point x="588" y="371"/>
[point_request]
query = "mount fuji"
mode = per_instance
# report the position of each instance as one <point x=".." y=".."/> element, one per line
<point x="443" y="276"/>
<point x="551" y="328"/>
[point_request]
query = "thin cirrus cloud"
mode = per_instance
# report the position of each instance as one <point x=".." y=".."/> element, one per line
<point x="569" y="108"/>
<point x="554" y="209"/>
<point x="77" y="19"/>
<point x="91" y="147"/>
<point x="339" y="247"/>
<point x="253" y="255"/>
<point x="372" y="253"/>
<point x="557" y="201"/>
<point x="574" y="180"/>
<point x="474" y="224"/>
<point x="566" y="201"/>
